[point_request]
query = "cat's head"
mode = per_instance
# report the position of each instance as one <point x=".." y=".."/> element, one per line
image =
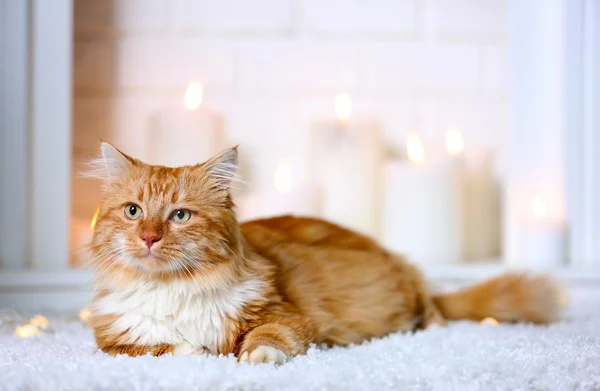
<point x="157" y="220"/>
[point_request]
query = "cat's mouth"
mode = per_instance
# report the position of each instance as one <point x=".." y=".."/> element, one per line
<point x="151" y="263"/>
<point x="150" y="260"/>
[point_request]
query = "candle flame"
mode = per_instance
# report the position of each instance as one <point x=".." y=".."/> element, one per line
<point x="538" y="207"/>
<point x="489" y="321"/>
<point x="27" y="331"/>
<point x="193" y="95"/>
<point x="415" y="150"/>
<point x="93" y="222"/>
<point x="454" y="142"/>
<point x="342" y="106"/>
<point x="40" y="321"/>
<point x="283" y="178"/>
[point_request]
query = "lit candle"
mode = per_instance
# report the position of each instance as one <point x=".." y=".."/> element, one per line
<point x="81" y="234"/>
<point x="188" y="133"/>
<point x="481" y="205"/>
<point x="346" y="160"/>
<point x="543" y="238"/>
<point x="285" y="197"/>
<point x="454" y="142"/>
<point x="423" y="205"/>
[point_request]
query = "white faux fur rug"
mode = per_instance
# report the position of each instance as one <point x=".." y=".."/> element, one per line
<point x="464" y="356"/>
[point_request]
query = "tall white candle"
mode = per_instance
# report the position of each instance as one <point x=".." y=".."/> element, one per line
<point x="188" y="133"/>
<point x="543" y="238"/>
<point x="481" y="206"/>
<point x="346" y="159"/>
<point x="423" y="205"/>
<point x="286" y="197"/>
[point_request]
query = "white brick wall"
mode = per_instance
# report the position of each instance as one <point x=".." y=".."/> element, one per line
<point x="271" y="67"/>
<point x="233" y="16"/>
<point x="469" y="19"/>
<point x="297" y="67"/>
<point x="359" y="16"/>
<point x="420" y="66"/>
<point x="101" y="16"/>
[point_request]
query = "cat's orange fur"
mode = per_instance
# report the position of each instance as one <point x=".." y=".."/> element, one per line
<point x="283" y="282"/>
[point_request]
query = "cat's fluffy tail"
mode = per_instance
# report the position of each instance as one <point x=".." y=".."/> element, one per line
<point x="507" y="298"/>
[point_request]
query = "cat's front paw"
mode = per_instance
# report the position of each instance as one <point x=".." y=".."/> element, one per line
<point x="186" y="349"/>
<point x="263" y="354"/>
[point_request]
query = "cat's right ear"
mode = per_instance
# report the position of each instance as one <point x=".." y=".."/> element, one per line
<point x="110" y="165"/>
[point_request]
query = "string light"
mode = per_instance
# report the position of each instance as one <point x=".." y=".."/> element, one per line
<point x="27" y="331"/>
<point x="85" y="314"/>
<point x="489" y="321"/>
<point x="40" y="321"/>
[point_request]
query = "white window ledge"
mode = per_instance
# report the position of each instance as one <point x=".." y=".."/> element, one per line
<point x="68" y="290"/>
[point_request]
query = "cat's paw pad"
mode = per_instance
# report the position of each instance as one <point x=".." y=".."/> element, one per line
<point x="263" y="354"/>
<point x="186" y="349"/>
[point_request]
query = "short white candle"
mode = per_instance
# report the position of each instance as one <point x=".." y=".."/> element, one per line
<point x="543" y="238"/>
<point x="188" y="133"/>
<point x="346" y="160"/>
<point x="423" y="206"/>
<point x="481" y="206"/>
<point x="81" y="235"/>
<point x="286" y="197"/>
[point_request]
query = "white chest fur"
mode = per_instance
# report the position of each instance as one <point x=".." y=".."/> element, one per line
<point x="177" y="312"/>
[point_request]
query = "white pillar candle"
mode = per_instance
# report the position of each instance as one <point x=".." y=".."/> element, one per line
<point x="81" y="235"/>
<point x="481" y="206"/>
<point x="286" y="197"/>
<point x="346" y="160"/>
<point x="423" y="204"/>
<point x="542" y="238"/>
<point x="186" y="134"/>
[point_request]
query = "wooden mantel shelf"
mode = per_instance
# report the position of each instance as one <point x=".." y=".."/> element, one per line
<point x="68" y="290"/>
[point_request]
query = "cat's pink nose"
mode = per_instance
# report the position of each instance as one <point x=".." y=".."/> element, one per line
<point x="150" y="238"/>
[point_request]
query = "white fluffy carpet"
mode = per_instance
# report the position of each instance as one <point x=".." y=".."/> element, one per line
<point x="464" y="356"/>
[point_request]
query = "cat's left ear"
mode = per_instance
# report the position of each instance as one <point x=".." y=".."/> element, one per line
<point x="110" y="165"/>
<point x="223" y="168"/>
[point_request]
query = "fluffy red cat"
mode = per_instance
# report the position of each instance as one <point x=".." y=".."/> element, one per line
<point x="176" y="273"/>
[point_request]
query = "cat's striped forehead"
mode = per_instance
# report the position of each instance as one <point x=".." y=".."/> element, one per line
<point x="165" y="184"/>
<point x="160" y="182"/>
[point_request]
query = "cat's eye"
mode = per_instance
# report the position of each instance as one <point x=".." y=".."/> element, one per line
<point x="133" y="212"/>
<point x="181" y="216"/>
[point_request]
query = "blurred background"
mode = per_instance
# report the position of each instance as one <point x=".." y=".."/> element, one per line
<point x="459" y="132"/>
